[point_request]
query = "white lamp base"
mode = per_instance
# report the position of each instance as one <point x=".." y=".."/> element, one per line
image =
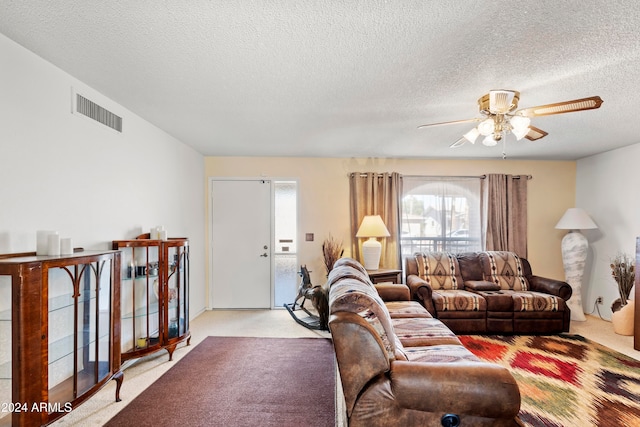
<point x="371" y="250"/>
<point x="574" y="256"/>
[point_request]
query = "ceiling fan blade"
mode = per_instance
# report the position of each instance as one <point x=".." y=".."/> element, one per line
<point x="477" y="119"/>
<point x="458" y="143"/>
<point x="582" y="104"/>
<point x="535" y="134"/>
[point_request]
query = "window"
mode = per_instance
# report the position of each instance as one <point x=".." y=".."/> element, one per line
<point x="440" y="214"/>
<point x="286" y="238"/>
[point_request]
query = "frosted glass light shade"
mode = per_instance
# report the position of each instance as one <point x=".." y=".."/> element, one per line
<point x="486" y="127"/>
<point x="520" y="133"/>
<point x="472" y="135"/>
<point x="520" y="123"/>
<point x="575" y="219"/>
<point x="489" y="141"/>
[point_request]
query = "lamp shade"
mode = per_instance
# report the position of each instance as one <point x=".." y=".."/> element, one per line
<point x="575" y="219"/>
<point x="372" y="226"/>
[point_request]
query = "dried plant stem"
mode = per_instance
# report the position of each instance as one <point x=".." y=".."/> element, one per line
<point x="332" y="251"/>
<point x="623" y="272"/>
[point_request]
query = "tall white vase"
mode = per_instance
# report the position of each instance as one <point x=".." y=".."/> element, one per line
<point x="574" y="257"/>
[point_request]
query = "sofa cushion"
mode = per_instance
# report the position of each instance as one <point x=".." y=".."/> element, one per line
<point x="458" y="300"/>
<point x="399" y="309"/>
<point x="422" y="332"/>
<point x="536" y="301"/>
<point x="439" y="269"/>
<point x="445" y="353"/>
<point x="505" y="269"/>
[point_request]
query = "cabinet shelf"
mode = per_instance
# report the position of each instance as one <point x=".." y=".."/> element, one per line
<point x="63" y="347"/>
<point x="154" y="308"/>
<point x="5" y="371"/>
<point x="67" y="301"/>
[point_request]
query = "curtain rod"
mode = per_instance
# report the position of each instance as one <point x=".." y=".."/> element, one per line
<point x="446" y="176"/>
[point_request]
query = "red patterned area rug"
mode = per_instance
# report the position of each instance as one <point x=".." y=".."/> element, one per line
<point x="566" y="380"/>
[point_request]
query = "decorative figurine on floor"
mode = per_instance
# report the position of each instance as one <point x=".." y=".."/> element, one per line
<point x="319" y="300"/>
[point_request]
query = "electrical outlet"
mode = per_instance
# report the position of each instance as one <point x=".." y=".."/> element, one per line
<point x="599" y="300"/>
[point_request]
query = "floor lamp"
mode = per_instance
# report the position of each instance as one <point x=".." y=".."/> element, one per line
<point x="574" y="255"/>
<point x="372" y="226"/>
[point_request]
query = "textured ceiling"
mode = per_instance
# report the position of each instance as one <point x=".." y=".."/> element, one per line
<point x="347" y="78"/>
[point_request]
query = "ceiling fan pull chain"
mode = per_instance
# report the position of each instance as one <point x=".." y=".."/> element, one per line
<point x="504" y="149"/>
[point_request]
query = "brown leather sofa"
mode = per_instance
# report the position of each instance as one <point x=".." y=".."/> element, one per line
<point x="488" y="292"/>
<point x="401" y="367"/>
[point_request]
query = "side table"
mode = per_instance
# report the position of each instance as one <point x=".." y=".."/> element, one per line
<point x="384" y="275"/>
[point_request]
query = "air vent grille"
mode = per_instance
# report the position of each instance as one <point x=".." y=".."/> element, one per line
<point x="94" y="111"/>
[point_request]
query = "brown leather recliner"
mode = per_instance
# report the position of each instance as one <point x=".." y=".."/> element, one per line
<point x="515" y="300"/>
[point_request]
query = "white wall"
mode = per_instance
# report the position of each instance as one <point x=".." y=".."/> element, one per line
<point x="62" y="171"/>
<point x="607" y="189"/>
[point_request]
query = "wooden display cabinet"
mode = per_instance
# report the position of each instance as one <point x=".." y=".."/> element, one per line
<point x="155" y="295"/>
<point x="59" y="332"/>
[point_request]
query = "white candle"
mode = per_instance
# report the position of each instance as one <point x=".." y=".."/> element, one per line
<point x="162" y="235"/>
<point x="153" y="233"/>
<point x="66" y="247"/>
<point x="53" y="247"/>
<point x="42" y="241"/>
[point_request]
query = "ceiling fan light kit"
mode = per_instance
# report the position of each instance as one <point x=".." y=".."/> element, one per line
<point x="500" y="117"/>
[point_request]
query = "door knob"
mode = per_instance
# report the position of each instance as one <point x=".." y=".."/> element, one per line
<point x="264" y="255"/>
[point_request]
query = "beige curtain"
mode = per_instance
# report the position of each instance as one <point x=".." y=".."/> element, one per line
<point x="377" y="194"/>
<point x="506" y="213"/>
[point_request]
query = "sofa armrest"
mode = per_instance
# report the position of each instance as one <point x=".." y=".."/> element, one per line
<point x="421" y="291"/>
<point x="551" y="286"/>
<point x="471" y="388"/>
<point x="393" y="291"/>
<point x="360" y="354"/>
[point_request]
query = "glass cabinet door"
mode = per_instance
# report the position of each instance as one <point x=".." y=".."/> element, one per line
<point x="5" y="346"/>
<point x="79" y="330"/>
<point x="177" y="290"/>
<point x="140" y="305"/>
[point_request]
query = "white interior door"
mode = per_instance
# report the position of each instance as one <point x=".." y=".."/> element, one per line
<point x="240" y="244"/>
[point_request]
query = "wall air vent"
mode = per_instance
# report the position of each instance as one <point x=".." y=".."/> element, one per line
<point x="100" y="114"/>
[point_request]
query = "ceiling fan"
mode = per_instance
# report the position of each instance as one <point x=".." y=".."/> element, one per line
<point x="500" y="117"/>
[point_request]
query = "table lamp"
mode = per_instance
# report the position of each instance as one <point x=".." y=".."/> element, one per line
<point x="574" y="255"/>
<point x="372" y="227"/>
